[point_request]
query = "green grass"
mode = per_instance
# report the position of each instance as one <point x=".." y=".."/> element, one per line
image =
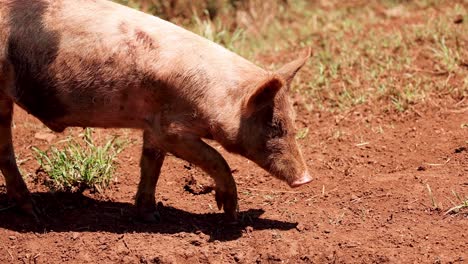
<point x="81" y="163"/>
<point x="219" y="33"/>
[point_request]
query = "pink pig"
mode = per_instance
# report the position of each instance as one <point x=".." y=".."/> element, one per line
<point x="95" y="63"/>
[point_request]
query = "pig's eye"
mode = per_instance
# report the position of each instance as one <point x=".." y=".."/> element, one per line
<point x="275" y="129"/>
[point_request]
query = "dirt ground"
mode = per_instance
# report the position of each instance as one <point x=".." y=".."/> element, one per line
<point x="369" y="202"/>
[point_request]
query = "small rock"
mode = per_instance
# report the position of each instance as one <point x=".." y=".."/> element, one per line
<point x="273" y="258"/>
<point x="196" y="243"/>
<point x="157" y="260"/>
<point x="300" y="227"/>
<point x="45" y="136"/>
<point x="103" y="247"/>
<point x="249" y="229"/>
<point x="203" y="236"/>
<point x="143" y="260"/>
<point x="236" y="256"/>
<point x="75" y="235"/>
<point x="458" y="19"/>
<point x="12" y="237"/>
<point x="421" y="168"/>
<point x="326" y="231"/>
<point x="390" y="218"/>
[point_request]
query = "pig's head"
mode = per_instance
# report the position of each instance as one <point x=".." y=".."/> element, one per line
<point x="267" y="134"/>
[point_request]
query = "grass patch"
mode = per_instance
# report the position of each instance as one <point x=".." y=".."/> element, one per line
<point x="81" y="164"/>
<point x="219" y="33"/>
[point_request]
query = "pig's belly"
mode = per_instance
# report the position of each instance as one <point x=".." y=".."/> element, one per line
<point x="92" y="110"/>
<point x="103" y="120"/>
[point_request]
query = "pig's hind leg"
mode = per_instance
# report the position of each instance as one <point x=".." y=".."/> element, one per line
<point x="151" y="161"/>
<point x="17" y="191"/>
<point x="195" y="151"/>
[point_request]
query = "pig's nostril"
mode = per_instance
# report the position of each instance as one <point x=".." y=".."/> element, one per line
<point x="306" y="178"/>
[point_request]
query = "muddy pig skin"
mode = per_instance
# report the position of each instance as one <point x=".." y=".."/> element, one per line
<point x="95" y="63"/>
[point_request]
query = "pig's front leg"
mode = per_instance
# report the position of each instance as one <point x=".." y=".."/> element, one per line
<point x="197" y="152"/>
<point x="17" y="191"/>
<point x="152" y="159"/>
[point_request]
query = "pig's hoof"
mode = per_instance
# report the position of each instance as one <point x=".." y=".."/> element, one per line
<point x="228" y="202"/>
<point x="26" y="205"/>
<point x="149" y="216"/>
<point x="231" y="218"/>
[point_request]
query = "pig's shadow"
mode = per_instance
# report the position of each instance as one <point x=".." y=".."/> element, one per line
<point x="64" y="212"/>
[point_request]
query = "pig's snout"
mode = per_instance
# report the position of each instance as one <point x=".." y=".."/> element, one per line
<point x="304" y="179"/>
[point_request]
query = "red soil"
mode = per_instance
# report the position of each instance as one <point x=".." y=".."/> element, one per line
<point x="368" y="203"/>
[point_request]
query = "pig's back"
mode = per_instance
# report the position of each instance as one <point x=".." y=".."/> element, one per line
<point x="97" y="59"/>
<point x="153" y="42"/>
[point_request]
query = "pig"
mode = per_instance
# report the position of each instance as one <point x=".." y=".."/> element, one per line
<point x="95" y="63"/>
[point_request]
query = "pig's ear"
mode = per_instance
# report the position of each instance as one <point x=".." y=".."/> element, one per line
<point x="262" y="95"/>
<point x="288" y="71"/>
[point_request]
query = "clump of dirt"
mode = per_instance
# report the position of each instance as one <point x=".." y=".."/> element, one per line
<point x="197" y="183"/>
<point x="460" y="149"/>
